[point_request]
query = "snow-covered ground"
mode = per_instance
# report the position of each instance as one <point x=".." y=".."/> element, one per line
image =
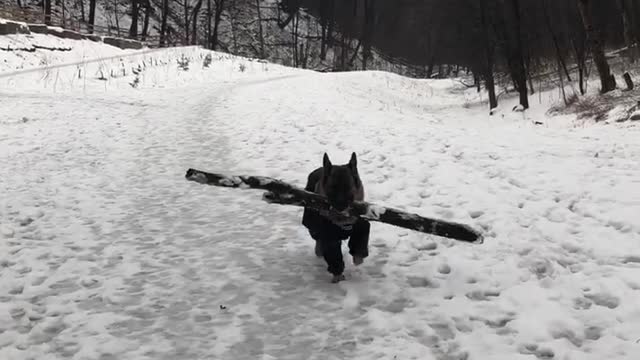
<point x="107" y="252"/>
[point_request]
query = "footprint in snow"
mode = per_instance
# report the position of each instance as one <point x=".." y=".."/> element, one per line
<point x="443" y="330"/>
<point x="602" y="299"/>
<point x="427" y="247"/>
<point x="444" y="269"/>
<point x="582" y="303"/>
<point x="569" y="335"/>
<point x="631" y="259"/>
<point x="17" y="313"/>
<point x="593" y="333"/>
<point x="534" y="349"/>
<point x="482" y="295"/>
<point x="16" y="289"/>
<point x="397" y="305"/>
<point x="418" y="281"/>
<point x="497" y="323"/>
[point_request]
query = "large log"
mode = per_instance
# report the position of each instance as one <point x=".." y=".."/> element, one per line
<point x="279" y="192"/>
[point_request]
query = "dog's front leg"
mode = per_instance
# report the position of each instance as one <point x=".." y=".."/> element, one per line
<point x="332" y="253"/>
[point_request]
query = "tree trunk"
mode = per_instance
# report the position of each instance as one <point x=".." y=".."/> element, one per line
<point x="279" y="192"/>
<point x="47" y="12"/>
<point x="194" y="23"/>
<point x="528" y="67"/>
<point x="135" y="9"/>
<point x="218" y="16"/>
<point x="554" y="37"/>
<point x="294" y="34"/>
<point x="83" y="17"/>
<point x="517" y="56"/>
<point x="367" y="31"/>
<point x="260" y="35"/>
<point x="209" y="17"/>
<point x="64" y="14"/>
<point x="355" y="55"/>
<point x="635" y="19"/>
<point x="326" y="21"/>
<point x="344" y="53"/>
<point x="233" y="19"/>
<point x="578" y="44"/>
<point x="627" y="23"/>
<point x="307" y="46"/>
<point x="147" y="14"/>
<point x="580" y="53"/>
<point x="594" y="36"/>
<point x="92" y="15"/>
<point x="487" y="72"/>
<point x="628" y="80"/>
<point x="186" y="22"/>
<point x="331" y="10"/>
<point x="115" y="13"/>
<point x="163" y="26"/>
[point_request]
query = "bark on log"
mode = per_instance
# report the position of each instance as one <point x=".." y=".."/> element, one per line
<point x="279" y="192"/>
<point x="628" y="81"/>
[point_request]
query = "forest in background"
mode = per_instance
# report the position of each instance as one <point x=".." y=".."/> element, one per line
<point x="496" y="43"/>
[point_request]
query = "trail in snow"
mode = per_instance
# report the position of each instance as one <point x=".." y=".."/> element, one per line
<point x="107" y="252"/>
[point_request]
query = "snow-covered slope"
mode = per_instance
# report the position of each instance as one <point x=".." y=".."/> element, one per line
<point x="108" y="252"/>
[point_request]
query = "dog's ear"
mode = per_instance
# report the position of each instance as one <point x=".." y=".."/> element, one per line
<point x="326" y="164"/>
<point x="353" y="162"/>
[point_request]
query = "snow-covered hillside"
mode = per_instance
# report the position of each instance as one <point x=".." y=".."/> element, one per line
<point x="107" y="252"/>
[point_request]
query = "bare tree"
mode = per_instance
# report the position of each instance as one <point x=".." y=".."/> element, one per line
<point x="47" y="12"/>
<point x="147" y="13"/>
<point x="163" y="26"/>
<point x="517" y="56"/>
<point x="607" y="80"/>
<point x="367" y="31"/>
<point x="186" y="21"/>
<point x="92" y="15"/>
<point x="489" y="53"/>
<point x="627" y="22"/>
<point x="260" y="34"/>
<point x="82" y="15"/>
<point x="135" y="9"/>
<point x="554" y="37"/>
<point x="116" y="16"/>
<point x="64" y="14"/>
<point x="194" y="22"/>
<point x="219" y="6"/>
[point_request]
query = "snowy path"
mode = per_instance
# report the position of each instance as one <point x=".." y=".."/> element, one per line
<point x="108" y="253"/>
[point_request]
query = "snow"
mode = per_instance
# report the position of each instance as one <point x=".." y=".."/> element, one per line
<point x="107" y="251"/>
<point x="375" y="211"/>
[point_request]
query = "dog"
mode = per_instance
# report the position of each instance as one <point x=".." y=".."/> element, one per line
<point x="341" y="184"/>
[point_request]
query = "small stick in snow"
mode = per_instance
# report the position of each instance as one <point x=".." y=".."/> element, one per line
<point x="279" y="192"/>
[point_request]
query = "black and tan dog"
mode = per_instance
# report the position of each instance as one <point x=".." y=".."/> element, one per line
<point x="342" y="186"/>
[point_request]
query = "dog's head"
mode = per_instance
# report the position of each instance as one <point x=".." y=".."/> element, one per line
<point x="341" y="183"/>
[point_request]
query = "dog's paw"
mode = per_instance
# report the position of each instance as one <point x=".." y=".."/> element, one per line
<point x="337" y="278"/>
